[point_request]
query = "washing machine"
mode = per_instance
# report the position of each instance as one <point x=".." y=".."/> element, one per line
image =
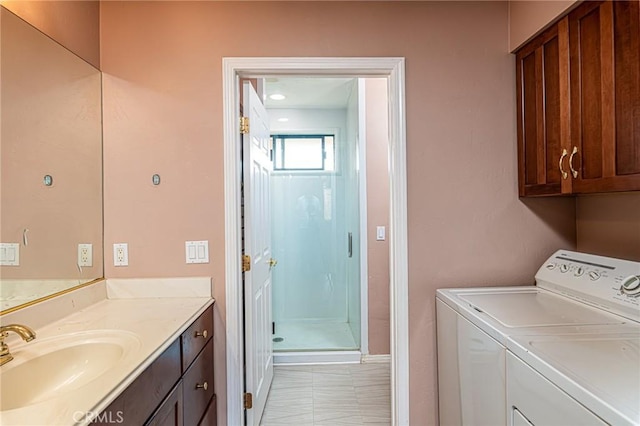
<point x="511" y="355"/>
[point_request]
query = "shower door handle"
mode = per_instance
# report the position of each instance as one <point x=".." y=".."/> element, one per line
<point x="350" y="244"/>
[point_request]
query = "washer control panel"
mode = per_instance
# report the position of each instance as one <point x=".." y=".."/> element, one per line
<point x="605" y="282"/>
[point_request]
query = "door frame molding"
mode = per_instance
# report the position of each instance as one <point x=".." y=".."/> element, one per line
<point x="393" y="69"/>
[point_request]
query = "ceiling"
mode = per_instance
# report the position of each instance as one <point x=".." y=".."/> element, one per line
<point x="308" y="92"/>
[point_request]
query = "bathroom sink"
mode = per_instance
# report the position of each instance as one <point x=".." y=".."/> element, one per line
<point x="45" y="369"/>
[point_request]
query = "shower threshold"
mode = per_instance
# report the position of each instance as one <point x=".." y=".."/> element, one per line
<point x="318" y="357"/>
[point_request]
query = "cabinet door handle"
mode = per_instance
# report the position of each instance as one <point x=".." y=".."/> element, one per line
<point x="203" y="334"/>
<point x="204" y="386"/>
<point x="574" y="172"/>
<point x="565" y="175"/>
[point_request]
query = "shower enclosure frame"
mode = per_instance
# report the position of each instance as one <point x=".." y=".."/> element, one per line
<point x="393" y="70"/>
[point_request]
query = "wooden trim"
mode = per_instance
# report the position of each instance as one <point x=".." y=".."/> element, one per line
<point x="607" y="184"/>
<point x="520" y="121"/>
<point x="541" y="155"/>
<point x="608" y="90"/>
<point x="565" y="96"/>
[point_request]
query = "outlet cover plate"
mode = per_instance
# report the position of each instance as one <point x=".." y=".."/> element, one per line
<point x="85" y="254"/>
<point x="120" y="254"/>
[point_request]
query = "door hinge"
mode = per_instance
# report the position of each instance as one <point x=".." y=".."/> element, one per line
<point x="248" y="400"/>
<point x="244" y="125"/>
<point x="246" y="263"/>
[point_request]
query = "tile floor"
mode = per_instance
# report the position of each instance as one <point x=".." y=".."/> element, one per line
<point x="338" y="394"/>
<point x="311" y="335"/>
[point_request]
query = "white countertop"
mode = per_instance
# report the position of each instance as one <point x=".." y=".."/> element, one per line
<point x="155" y="323"/>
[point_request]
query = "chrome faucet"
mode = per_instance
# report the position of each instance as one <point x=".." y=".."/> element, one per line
<point x="23" y="331"/>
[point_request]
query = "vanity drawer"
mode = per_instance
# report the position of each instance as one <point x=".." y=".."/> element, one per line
<point x="136" y="403"/>
<point x="195" y="337"/>
<point x="170" y="412"/>
<point x="198" y="377"/>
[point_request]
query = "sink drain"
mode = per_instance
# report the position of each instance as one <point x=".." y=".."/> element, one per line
<point x="278" y="339"/>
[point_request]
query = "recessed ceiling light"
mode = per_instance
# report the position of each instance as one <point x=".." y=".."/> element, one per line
<point x="277" y="97"/>
<point x="283" y="119"/>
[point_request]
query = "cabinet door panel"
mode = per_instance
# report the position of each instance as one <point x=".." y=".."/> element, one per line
<point x="170" y="411"/>
<point x="627" y="85"/>
<point x="605" y="95"/>
<point x="552" y="117"/>
<point x="542" y="99"/>
<point x="589" y="80"/>
<point x="530" y="121"/>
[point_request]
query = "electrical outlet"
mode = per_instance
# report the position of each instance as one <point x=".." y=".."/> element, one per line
<point x="120" y="254"/>
<point x="85" y="254"/>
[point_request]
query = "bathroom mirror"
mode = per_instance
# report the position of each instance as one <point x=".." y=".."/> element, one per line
<point x="50" y="164"/>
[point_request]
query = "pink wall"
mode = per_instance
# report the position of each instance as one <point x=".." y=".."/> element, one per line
<point x="74" y="24"/>
<point x="609" y="224"/>
<point x="528" y="17"/>
<point x="377" y="132"/>
<point x="163" y="114"/>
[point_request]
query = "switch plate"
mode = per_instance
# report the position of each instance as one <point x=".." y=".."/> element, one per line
<point x="380" y="233"/>
<point x="85" y="254"/>
<point x="10" y="254"/>
<point x="120" y="254"/>
<point x="197" y="251"/>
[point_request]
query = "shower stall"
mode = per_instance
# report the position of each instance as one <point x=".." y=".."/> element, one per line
<point x="316" y="230"/>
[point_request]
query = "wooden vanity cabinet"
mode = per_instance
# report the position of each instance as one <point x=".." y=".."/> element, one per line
<point x="176" y="389"/>
<point x="578" y="100"/>
<point x="542" y="68"/>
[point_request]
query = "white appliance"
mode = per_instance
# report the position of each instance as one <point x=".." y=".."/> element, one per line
<point x="565" y="351"/>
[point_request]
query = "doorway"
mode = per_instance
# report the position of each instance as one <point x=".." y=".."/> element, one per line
<point x="393" y="70"/>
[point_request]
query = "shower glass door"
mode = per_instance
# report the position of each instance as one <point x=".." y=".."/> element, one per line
<point x="315" y="233"/>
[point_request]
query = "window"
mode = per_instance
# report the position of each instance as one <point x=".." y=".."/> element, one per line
<point x="304" y="152"/>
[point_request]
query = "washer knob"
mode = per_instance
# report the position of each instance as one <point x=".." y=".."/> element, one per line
<point x="594" y="275"/>
<point x="579" y="271"/>
<point x="551" y="266"/>
<point x="631" y="286"/>
<point x="564" y="268"/>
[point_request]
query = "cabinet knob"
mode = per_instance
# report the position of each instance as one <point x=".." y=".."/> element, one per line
<point x="204" y="334"/>
<point x="204" y="386"/>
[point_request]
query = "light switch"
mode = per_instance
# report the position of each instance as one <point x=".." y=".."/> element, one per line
<point x="380" y="233"/>
<point x="197" y="251"/>
<point x="10" y="254"/>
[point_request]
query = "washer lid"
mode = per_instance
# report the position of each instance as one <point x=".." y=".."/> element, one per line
<point x="537" y="309"/>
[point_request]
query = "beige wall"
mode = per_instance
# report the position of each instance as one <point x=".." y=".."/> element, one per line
<point x="163" y="114"/>
<point x="377" y="132"/>
<point x="609" y="224"/>
<point x="528" y="17"/>
<point x="74" y="24"/>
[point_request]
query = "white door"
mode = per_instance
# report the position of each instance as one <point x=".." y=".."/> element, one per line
<point x="257" y="168"/>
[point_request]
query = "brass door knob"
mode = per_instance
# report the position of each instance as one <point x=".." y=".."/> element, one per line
<point x="204" y="386"/>
<point x="203" y="334"/>
<point x="272" y="262"/>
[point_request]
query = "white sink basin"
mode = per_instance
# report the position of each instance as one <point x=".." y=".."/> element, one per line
<point x="42" y="370"/>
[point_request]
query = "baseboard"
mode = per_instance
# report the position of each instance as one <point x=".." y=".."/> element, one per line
<point x="376" y="359"/>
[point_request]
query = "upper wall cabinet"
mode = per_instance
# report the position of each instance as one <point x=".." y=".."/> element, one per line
<point x="579" y="103"/>
<point x="542" y="68"/>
